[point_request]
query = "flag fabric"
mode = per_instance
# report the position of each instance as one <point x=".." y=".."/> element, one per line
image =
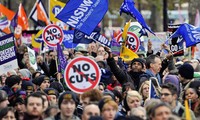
<point x="190" y="34"/>
<point x="152" y="91"/>
<point x="55" y="7"/>
<point x="62" y="61"/>
<point x="80" y="37"/>
<point x="4" y="24"/>
<point x="22" y="18"/>
<point x="127" y="55"/>
<point x="115" y="47"/>
<point x="13" y="22"/>
<point x="68" y="39"/>
<point x="187" y="111"/>
<point x="126" y="27"/>
<point x="129" y="8"/>
<point x="38" y="14"/>
<point x="83" y="15"/>
<point x="5" y="11"/>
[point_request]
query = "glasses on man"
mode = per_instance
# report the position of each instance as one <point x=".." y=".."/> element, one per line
<point x="165" y="94"/>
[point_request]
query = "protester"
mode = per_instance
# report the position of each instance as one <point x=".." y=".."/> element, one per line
<point x="169" y="94"/>
<point x="7" y="113"/>
<point x="34" y="107"/>
<point x="90" y="110"/>
<point x="67" y="103"/>
<point x="161" y="111"/>
<point x="108" y="108"/>
<point x="3" y="99"/>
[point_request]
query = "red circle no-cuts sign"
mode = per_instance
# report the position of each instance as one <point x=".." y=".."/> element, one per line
<point x="133" y="42"/>
<point x="82" y="74"/>
<point x="52" y="35"/>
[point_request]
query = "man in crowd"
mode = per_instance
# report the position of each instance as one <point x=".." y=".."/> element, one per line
<point x="161" y="111"/>
<point x="34" y="107"/>
<point x="90" y="110"/>
<point x="137" y="68"/>
<point x="169" y="94"/>
<point x="67" y="103"/>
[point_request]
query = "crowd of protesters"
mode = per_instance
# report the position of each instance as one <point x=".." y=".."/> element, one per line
<point x="122" y="93"/>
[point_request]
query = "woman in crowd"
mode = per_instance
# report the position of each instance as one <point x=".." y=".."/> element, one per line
<point x="7" y="114"/>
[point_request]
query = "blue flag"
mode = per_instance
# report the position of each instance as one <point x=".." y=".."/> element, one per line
<point x="80" y="37"/>
<point x="83" y="15"/>
<point x="115" y="47"/>
<point x="190" y="34"/>
<point x="129" y="8"/>
<point x="152" y="90"/>
<point x="13" y="22"/>
<point x="62" y="61"/>
<point x="68" y="39"/>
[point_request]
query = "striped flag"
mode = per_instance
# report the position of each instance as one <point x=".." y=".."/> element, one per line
<point x="39" y="15"/>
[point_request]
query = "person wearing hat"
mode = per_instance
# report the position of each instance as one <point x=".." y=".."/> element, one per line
<point x="53" y="95"/>
<point x="42" y="81"/>
<point x="137" y="68"/>
<point x="67" y="103"/>
<point x="28" y="87"/>
<point x="185" y="73"/>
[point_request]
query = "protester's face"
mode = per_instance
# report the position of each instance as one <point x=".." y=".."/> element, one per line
<point x="191" y="94"/>
<point x="46" y="102"/>
<point x="51" y="55"/>
<point x="133" y="102"/>
<point x="3" y="78"/>
<point x="145" y="91"/>
<point x="45" y="84"/>
<point x="34" y="106"/>
<point x="85" y="101"/>
<point x="166" y="96"/>
<point x="140" y="114"/>
<point x="101" y="51"/>
<point x="4" y="103"/>
<point x="9" y="116"/>
<point x="67" y="107"/>
<point x="136" y="67"/>
<point x="108" y="113"/>
<point x="20" y="107"/>
<point x="53" y="99"/>
<point x="156" y="66"/>
<point x="90" y="110"/>
<point x="162" y="113"/>
<point x="66" y="54"/>
<point x="101" y="88"/>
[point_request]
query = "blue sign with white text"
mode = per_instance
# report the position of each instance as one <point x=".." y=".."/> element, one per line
<point x="83" y="15"/>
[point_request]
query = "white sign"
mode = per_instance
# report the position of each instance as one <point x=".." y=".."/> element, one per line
<point x="82" y="74"/>
<point x="52" y="35"/>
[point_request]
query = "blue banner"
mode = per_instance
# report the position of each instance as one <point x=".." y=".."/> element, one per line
<point x="129" y="8"/>
<point x="68" y="39"/>
<point x="80" y="37"/>
<point x="83" y="15"/>
<point x="190" y="34"/>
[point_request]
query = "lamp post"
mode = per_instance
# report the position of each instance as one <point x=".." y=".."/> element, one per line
<point x="165" y="15"/>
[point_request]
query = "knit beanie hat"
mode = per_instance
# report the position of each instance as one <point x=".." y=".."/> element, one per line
<point x="174" y="80"/>
<point x="38" y="80"/>
<point x="12" y="80"/>
<point x="140" y="60"/>
<point x="56" y="85"/>
<point x="186" y="70"/>
<point x="51" y="91"/>
<point x="68" y="95"/>
<point x="27" y="85"/>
